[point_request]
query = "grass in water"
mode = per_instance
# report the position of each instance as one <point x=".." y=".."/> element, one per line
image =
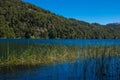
<point x="48" y="54"/>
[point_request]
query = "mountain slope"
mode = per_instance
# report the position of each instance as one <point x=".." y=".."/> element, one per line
<point x="23" y="20"/>
<point x="115" y="26"/>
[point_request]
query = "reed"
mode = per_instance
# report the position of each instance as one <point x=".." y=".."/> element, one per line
<point x="35" y="54"/>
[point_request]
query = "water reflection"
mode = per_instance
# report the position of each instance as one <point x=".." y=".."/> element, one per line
<point x="104" y="68"/>
<point x="89" y="69"/>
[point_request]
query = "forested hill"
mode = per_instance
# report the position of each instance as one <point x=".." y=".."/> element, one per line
<point x="23" y="20"/>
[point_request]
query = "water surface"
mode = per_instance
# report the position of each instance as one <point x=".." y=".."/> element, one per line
<point x="103" y="68"/>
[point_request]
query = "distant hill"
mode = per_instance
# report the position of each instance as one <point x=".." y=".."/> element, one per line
<point x="19" y="19"/>
<point x="114" y="24"/>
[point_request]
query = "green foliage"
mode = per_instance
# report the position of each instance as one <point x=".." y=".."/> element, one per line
<point x="5" y="30"/>
<point x="23" y="20"/>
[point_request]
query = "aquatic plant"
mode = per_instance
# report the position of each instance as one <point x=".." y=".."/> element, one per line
<point x="34" y="54"/>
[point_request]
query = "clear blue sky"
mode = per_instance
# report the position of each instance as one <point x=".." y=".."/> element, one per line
<point x="100" y="11"/>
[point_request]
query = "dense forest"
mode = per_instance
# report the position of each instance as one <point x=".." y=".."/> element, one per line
<point x="19" y="19"/>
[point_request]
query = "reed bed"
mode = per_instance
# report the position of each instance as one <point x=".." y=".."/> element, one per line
<point x="34" y="54"/>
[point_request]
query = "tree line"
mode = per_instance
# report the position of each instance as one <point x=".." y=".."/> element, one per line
<point x="19" y="19"/>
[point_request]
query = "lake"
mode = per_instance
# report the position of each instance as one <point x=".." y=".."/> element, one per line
<point x="103" y="67"/>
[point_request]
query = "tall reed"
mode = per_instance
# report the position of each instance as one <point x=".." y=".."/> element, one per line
<point x="34" y="54"/>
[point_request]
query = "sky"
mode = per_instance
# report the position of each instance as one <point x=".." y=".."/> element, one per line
<point x="99" y="11"/>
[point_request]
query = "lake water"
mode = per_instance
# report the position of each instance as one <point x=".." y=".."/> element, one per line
<point x="88" y="69"/>
<point x="79" y="42"/>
